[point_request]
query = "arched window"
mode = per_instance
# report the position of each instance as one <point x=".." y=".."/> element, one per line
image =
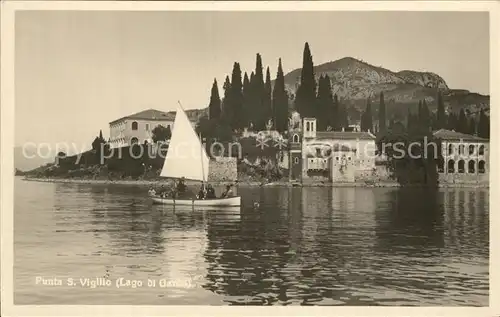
<point x="134" y="125"/>
<point x="471" y="149"/>
<point x="134" y="140"/>
<point x="296" y="160"/>
<point x="308" y="126"/>
<point x="295" y="138"/>
<point x="461" y="166"/>
<point x="312" y="126"/>
<point x="451" y="166"/>
<point x="472" y="167"/>
<point x="481" y="167"/>
<point x="450" y="149"/>
<point x="481" y="150"/>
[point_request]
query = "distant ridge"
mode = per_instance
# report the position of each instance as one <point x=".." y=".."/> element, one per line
<point x="354" y="81"/>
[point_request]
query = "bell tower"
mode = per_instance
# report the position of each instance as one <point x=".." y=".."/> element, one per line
<point x="309" y="128"/>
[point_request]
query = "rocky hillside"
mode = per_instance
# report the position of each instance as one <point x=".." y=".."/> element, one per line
<point x="354" y="81"/>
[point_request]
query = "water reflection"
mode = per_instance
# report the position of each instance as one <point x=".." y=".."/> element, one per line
<point x="311" y="246"/>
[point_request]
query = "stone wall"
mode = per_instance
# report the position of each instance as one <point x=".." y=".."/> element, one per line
<point x="223" y="169"/>
<point x="379" y="173"/>
<point x="481" y="179"/>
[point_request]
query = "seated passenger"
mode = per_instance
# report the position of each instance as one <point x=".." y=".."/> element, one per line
<point x="227" y="193"/>
<point x="210" y="192"/>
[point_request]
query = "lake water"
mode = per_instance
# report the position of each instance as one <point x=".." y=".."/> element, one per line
<point x="311" y="246"/>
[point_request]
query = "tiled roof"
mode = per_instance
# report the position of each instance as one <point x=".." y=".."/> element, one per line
<point x="337" y="135"/>
<point x="150" y="114"/>
<point x="457" y="136"/>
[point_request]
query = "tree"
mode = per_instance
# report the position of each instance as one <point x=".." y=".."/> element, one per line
<point x="343" y="120"/>
<point x="424" y="116"/>
<point x="441" y="115"/>
<point x="234" y="100"/>
<point x="483" y="129"/>
<point x="381" y="115"/>
<point x="267" y="102"/>
<point x="305" y="99"/>
<point x="366" y="118"/>
<point x="472" y="126"/>
<point x="247" y="101"/>
<point x="101" y="139"/>
<point x="280" y="101"/>
<point x="324" y="113"/>
<point x="161" y="133"/>
<point x="463" y="124"/>
<point x="452" y="121"/>
<point x="214" y="107"/>
<point x="226" y="110"/>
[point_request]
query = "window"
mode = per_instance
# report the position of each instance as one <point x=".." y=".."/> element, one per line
<point x="147" y="126"/>
<point x="282" y="157"/>
<point x="134" y="140"/>
<point x="461" y="148"/>
<point x="308" y="126"/>
<point x="472" y="167"/>
<point x="318" y="152"/>
<point x="336" y="158"/>
<point x="450" y="149"/>
<point x="349" y="158"/>
<point x="481" y="167"/>
<point x="295" y="138"/>
<point x="312" y="126"/>
<point x="451" y="166"/>
<point x="461" y="166"/>
<point x="481" y="150"/>
<point x="471" y="149"/>
<point x="134" y="125"/>
<point x="296" y="160"/>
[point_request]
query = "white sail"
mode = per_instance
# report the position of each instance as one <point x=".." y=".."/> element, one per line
<point x="186" y="156"/>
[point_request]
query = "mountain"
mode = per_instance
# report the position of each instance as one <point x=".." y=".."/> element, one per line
<point x="354" y="81"/>
<point x="28" y="159"/>
<point x="193" y="114"/>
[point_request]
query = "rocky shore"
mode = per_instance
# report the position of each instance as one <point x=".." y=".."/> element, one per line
<point x="248" y="183"/>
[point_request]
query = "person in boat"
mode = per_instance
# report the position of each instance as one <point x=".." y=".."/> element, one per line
<point x="210" y="192"/>
<point x="227" y="193"/>
<point x="180" y="189"/>
<point x="202" y="192"/>
<point x="152" y="191"/>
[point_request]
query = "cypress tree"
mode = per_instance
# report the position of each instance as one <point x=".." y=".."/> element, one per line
<point x="463" y="124"/>
<point x="324" y="111"/>
<point x="343" y="118"/>
<point x="214" y="107"/>
<point x="472" y="126"/>
<point x="235" y="102"/>
<point x="247" y="109"/>
<point x="366" y="118"/>
<point x="483" y="129"/>
<point x="280" y="101"/>
<point x="305" y="99"/>
<point x="267" y="102"/>
<point x="335" y="118"/>
<point x="258" y="96"/>
<point x="226" y="110"/>
<point x="424" y="117"/>
<point x="381" y="115"/>
<point x="441" y="115"/>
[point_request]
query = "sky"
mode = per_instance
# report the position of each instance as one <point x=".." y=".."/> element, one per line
<point x="76" y="71"/>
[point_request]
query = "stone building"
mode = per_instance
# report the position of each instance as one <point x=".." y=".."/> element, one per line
<point x="465" y="158"/>
<point x="138" y="127"/>
<point x="335" y="156"/>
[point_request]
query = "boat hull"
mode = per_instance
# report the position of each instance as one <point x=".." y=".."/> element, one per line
<point x="216" y="202"/>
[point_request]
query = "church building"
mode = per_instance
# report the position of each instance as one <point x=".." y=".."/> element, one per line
<point x="332" y="156"/>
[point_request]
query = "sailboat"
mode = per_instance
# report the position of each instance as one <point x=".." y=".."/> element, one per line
<point x="187" y="159"/>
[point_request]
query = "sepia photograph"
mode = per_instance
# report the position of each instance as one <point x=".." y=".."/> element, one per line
<point x="247" y="156"/>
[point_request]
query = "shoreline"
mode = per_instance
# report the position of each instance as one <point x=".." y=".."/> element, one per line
<point x="246" y="183"/>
